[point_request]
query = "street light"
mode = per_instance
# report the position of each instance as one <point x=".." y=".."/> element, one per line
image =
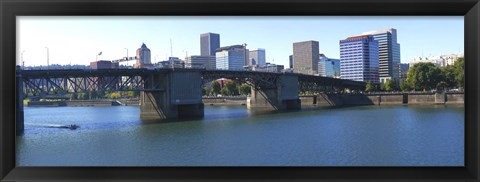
<point x="48" y="57"/>
<point x="245" y="54"/>
<point x="23" y="62"/>
<point x="127" y="55"/>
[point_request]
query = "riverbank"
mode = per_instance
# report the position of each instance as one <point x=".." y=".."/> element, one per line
<point x="83" y="103"/>
<point x="382" y="99"/>
<point x="225" y="101"/>
<point x="335" y="100"/>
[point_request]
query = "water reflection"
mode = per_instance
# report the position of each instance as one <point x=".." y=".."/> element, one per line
<point x="235" y="136"/>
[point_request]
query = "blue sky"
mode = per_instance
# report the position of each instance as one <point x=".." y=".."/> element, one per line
<point x="78" y="39"/>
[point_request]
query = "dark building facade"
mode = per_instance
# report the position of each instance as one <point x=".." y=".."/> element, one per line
<point x="290" y="60"/>
<point x="209" y="43"/>
<point x="305" y="57"/>
<point x="102" y="64"/>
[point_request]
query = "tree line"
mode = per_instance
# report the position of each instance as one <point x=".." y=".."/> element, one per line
<point x="426" y="77"/>
<point x="229" y="89"/>
<point x="100" y="94"/>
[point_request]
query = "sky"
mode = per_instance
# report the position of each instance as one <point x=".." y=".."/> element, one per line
<point x="79" y="39"/>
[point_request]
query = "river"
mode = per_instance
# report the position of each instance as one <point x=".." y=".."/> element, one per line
<point x="399" y="135"/>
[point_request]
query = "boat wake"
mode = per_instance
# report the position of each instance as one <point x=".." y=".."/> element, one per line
<point x="70" y="126"/>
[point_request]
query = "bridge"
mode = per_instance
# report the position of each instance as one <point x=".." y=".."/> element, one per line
<point x="174" y="93"/>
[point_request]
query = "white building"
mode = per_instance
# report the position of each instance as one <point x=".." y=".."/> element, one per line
<point x="143" y="57"/>
<point x="231" y="57"/>
<point x="443" y="60"/>
<point x="202" y="62"/>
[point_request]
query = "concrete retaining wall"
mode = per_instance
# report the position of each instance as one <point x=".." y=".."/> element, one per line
<point x="224" y="101"/>
<point x="421" y="99"/>
<point x="385" y="99"/>
<point x="455" y="98"/>
<point x="46" y="104"/>
<point x="88" y="103"/>
<point x="323" y="100"/>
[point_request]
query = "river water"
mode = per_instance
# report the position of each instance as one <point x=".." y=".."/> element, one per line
<point x="430" y="135"/>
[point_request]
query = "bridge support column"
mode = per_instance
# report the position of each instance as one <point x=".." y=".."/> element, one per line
<point x="283" y="97"/>
<point x="19" y="117"/>
<point x="180" y="96"/>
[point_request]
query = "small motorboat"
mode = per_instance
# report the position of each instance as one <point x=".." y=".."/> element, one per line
<point x="71" y="126"/>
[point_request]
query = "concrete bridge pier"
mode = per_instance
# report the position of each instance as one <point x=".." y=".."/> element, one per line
<point x="179" y="96"/>
<point x="283" y="97"/>
<point x="19" y="118"/>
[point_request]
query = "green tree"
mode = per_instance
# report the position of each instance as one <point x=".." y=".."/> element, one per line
<point x="424" y="76"/>
<point x="232" y="88"/>
<point x="382" y="87"/>
<point x="130" y="94"/>
<point x="215" y="87"/>
<point x="448" y="74"/>
<point x="74" y="96"/>
<point x="369" y="87"/>
<point x="93" y="94"/>
<point x="404" y="86"/>
<point x="244" y="89"/>
<point x="459" y="67"/>
<point x="442" y="85"/>
<point x="81" y="96"/>
<point x="101" y="94"/>
<point x="114" y="95"/>
<point x="390" y="85"/>
<point x="87" y="95"/>
<point x="224" y="91"/>
<point x="204" y="91"/>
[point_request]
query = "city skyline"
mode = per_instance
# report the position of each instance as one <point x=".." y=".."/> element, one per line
<point x="78" y="40"/>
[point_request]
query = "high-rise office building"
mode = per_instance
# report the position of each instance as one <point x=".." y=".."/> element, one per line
<point x="389" y="53"/>
<point x="359" y="59"/>
<point x="404" y="67"/>
<point x="209" y="43"/>
<point x="231" y="57"/>
<point x="207" y="62"/>
<point x="257" y="57"/>
<point x="290" y="61"/>
<point x="143" y="57"/>
<point x="328" y="67"/>
<point x="305" y="56"/>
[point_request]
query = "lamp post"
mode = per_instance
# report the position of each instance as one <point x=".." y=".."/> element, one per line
<point x="245" y="54"/>
<point x="127" y="55"/>
<point x="23" y="62"/>
<point x="48" y="57"/>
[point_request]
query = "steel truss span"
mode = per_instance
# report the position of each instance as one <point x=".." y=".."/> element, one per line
<point x="41" y="83"/>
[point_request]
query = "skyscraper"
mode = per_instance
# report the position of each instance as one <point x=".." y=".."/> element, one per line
<point x="328" y="67"/>
<point x="290" y="61"/>
<point x="143" y="57"/>
<point x="209" y="42"/>
<point x="305" y="56"/>
<point x="257" y="57"/>
<point x="359" y="59"/>
<point x="231" y="57"/>
<point x="389" y="53"/>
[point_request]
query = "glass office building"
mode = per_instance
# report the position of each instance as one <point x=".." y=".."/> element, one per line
<point x="209" y="43"/>
<point x="388" y="53"/>
<point x="231" y="57"/>
<point x="257" y="57"/>
<point x="359" y="59"/>
<point x="328" y="67"/>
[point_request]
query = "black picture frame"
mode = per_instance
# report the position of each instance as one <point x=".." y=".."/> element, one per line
<point x="9" y="9"/>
